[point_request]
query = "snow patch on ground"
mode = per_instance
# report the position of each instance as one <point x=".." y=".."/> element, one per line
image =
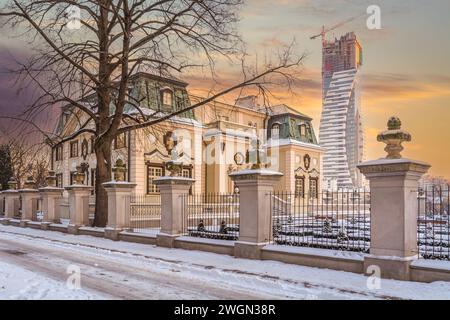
<point x="266" y="277"/>
<point x="17" y="283"/>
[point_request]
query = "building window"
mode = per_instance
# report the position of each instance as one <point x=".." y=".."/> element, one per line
<point x="299" y="187"/>
<point x="313" y="187"/>
<point x="120" y="141"/>
<point x="167" y="97"/>
<point x="276" y="130"/>
<point x="59" y="180"/>
<point x="72" y="178"/>
<point x="153" y="172"/>
<point x="74" y="149"/>
<point x="187" y="173"/>
<point x="303" y="130"/>
<point x="308" y="132"/>
<point x="59" y="153"/>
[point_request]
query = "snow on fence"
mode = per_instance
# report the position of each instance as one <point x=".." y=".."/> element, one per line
<point x="433" y="227"/>
<point x="145" y="213"/>
<point x="213" y="215"/>
<point x="329" y="219"/>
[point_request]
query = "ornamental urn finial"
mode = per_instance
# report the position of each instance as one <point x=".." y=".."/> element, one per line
<point x="79" y="176"/>
<point x="257" y="157"/>
<point x="12" y="183"/>
<point x="119" y="170"/>
<point x="30" y="183"/>
<point x="51" y="179"/>
<point x="393" y="138"/>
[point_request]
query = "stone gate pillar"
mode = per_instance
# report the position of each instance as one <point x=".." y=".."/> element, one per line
<point x="78" y="202"/>
<point x="255" y="226"/>
<point x="51" y="197"/>
<point x="172" y="189"/>
<point x="119" y="196"/>
<point x="30" y="197"/>
<point x="12" y="201"/>
<point x="394" y="205"/>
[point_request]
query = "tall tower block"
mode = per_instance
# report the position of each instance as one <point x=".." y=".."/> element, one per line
<point x="341" y="132"/>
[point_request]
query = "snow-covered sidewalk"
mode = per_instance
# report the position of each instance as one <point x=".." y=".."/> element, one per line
<point x="34" y="265"/>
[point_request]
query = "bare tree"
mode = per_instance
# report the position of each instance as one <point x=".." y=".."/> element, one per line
<point x="28" y="159"/>
<point x="90" y="69"/>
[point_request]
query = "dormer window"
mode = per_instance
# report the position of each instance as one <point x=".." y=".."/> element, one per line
<point x="275" y="130"/>
<point x="167" y="97"/>
<point x="303" y="130"/>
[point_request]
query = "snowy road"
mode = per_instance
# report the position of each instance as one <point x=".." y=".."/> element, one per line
<point x="33" y="265"/>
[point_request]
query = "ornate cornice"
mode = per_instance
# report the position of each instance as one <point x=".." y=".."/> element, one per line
<point x="394" y="168"/>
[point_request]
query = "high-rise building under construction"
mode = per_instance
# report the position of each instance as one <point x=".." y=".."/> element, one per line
<point x="341" y="132"/>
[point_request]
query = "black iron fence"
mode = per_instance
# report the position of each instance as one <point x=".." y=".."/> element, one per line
<point x="214" y="216"/>
<point x="145" y="213"/>
<point x="329" y="219"/>
<point x="433" y="225"/>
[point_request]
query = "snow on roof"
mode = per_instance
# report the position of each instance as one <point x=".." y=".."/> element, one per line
<point x="283" y="109"/>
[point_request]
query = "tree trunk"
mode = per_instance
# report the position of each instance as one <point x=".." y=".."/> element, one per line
<point x="103" y="174"/>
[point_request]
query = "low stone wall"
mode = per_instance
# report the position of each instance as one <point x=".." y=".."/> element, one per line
<point x="34" y="225"/>
<point x="430" y="271"/>
<point x="86" y="231"/>
<point x="137" y="238"/>
<point x="421" y="270"/>
<point x="318" y="258"/>
<point x="208" y="245"/>
<point x="58" y="227"/>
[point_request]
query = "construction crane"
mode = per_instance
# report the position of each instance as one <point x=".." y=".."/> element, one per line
<point x="326" y="30"/>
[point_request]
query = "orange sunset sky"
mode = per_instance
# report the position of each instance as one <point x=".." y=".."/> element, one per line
<point x="406" y="69"/>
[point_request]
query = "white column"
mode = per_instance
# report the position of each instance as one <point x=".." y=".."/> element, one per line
<point x="255" y="226"/>
<point x="172" y="189"/>
<point x="30" y="198"/>
<point x="51" y="198"/>
<point x="119" y="194"/>
<point x="394" y="206"/>
<point x="11" y="203"/>
<point x="78" y="206"/>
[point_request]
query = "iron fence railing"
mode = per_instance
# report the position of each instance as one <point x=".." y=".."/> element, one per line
<point x="329" y="219"/>
<point x="214" y="216"/>
<point x="433" y="224"/>
<point x="145" y="213"/>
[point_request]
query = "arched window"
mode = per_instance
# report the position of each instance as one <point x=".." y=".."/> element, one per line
<point x="167" y="97"/>
<point x="275" y="130"/>
<point x="302" y="130"/>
